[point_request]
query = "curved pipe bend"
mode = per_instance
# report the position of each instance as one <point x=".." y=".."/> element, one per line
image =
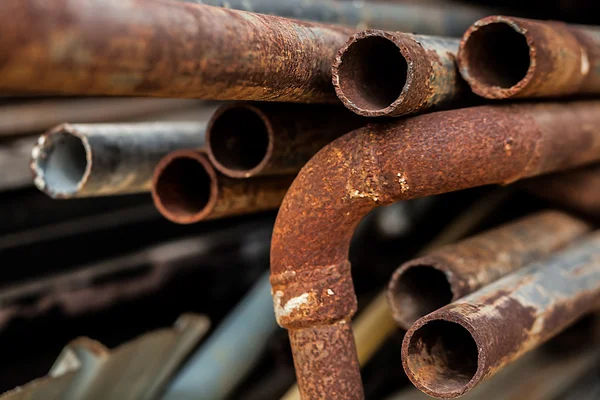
<point x="377" y="165"/>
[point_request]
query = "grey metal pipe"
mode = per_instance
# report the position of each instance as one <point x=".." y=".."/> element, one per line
<point x="230" y="352"/>
<point x="85" y="160"/>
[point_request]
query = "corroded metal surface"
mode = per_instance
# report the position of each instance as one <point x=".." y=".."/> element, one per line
<point x="578" y="190"/>
<point x="381" y="164"/>
<point x="82" y="160"/>
<point x="250" y="139"/>
<point x="378" y="73"/>
<point x="427" y="283"/>
<point x="186" y="188"/>
<point x="505" y="57"/>
<point x="164" y="48"/>
<point x="448" y="352"/>
<point x="447" y="18"/>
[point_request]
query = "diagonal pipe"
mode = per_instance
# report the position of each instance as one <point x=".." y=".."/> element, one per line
<point x="312" y="287"/>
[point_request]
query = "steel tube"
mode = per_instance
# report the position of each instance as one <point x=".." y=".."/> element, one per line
<point x="186" y="189"/>
<point x="378" y="73"/>
<point x="164" y="48"/>
<point x="82" y="160"/>
<point x="450" y="351"/>
<point x="250" y="139"/>
<point x="578" y="190"/>
<point x="441" y="152"/>
<point x="427" y="283"/>
<point x="434" y="19"/>
<point x="506" y="57"/>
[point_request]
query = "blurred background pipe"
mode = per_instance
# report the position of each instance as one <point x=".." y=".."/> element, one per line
<point x="252" y="139"/>
<point x="83" y="160"/>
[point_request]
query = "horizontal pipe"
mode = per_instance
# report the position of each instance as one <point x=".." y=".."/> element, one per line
<point x="83" y="160"/>
<point x="450" y="351"/>
<point x="251" y="139"/>
<point x="578" y="190"/>
<point x="441" y="152"/>
<point x="378" y="73"/>
<point x="506" y="57"/>
<point x="186" y="189"/>
<point x="440" y="18"/>
<point x="427" y="283"/>
<point x="164" y="48"/>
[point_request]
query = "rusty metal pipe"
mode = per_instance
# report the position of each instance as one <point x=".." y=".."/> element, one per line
<point x="505" y="57"/>
<point x="440" y="18"/>
<point x="450" y="351"/>
<point x="377" y="165"/>
<point x="83" y="160"/>
<point x="186" y="188"/>
<point x="378" y="73"/>
<point x="427" y="283"/>
<point x="578" y="190"/>
<point x="250" y="139"/>
<point x="164" y="48"/>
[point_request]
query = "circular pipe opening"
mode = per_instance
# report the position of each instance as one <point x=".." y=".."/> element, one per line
<point x="442" y="356"/>
<point x="372" y="73"/>
<point x="239" y="139"/>
<point x="184" y="187"/>
<point x="63" y="163"/>
<point x="418" y="291"/>
<point x="497" y="55"/>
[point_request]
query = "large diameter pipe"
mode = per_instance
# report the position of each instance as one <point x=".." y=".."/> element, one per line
<point x="427" y="283"/>
<point x="445" y="18"/>
<point x="82" y="160"/>
<point x="186" y="189"/>
<point x="378" y="73"/>
<point x="450" y="351"/>
<point x="578" y="190"/>
<point x="505" y="57"/>
<point x="251" y="139"/>
<point x="164" y="48"/>
<point x="440" y="152"/>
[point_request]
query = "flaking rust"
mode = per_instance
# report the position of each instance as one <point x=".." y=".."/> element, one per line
<point x="441" y="152"/>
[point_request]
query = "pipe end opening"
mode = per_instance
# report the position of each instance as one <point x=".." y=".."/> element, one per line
<point x="418" y="291"/>
<point x="442" y="357"/>
<point x="372" y="73"/>
<point x="497" y="55"/>
<point x="239" y="140"/>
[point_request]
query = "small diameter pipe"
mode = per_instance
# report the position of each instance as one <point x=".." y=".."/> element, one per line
<point x="427" y="283"/>
<point x="251" y="139"/>
<point x="83" y="160"/>
<point x="450" y="351"/>
<point x="578" y="190"/>
<point x="231" y="350"/>
<point x="164" y="49"/>
<point x="505" y="57"/>
<point x="186" y="189"/>
<point x="378" y="73"/>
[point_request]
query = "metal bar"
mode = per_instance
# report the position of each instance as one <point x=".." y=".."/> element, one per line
<point x="505" y="57"/>
<point x="450" y="351"/>
<point x="165" y="49"/>
<point x="252" y="139"/>
<point x="428" y="283"/>
<point x="441" y="152"/>
<point x="378" y="73"/>
<point x="85" y="160"/>
<point x="186" y="189"/>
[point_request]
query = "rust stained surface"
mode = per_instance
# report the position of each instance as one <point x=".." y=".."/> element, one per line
<point x="429" y="78"/>
<point x="528" y="307"/>
<point x="380" y="164"/>
<point x="295" y="132"/>
<point x="563" y="59"/>
<point x="482" y="259"/>
<point x="164" y="48"/>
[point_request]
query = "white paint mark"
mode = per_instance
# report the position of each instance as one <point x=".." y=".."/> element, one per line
<point x="330" y="292"/>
